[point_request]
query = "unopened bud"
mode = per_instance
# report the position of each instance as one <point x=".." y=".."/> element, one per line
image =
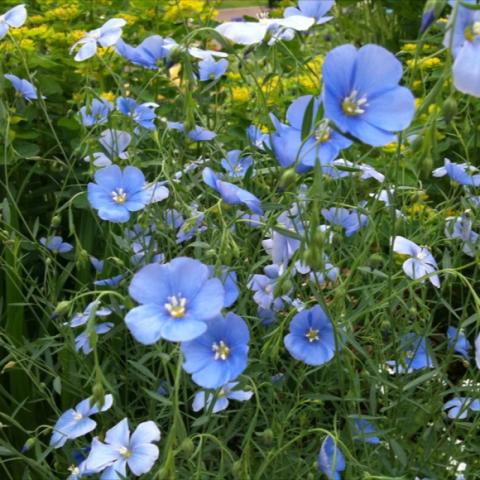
<point x="449" y="110"/>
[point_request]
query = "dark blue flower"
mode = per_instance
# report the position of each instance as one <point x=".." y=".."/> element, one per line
<point x="231" y="193"/>
<point x="176" y="299"/>
<point x="219" y="355"/>
<point x="361" y="94"/>
<point x="209" y="69"/>
<point x="118" y="193"/>
<point x="22" y="87"/>
<point x="331" y="460"/>
<point x="312" y="337"/>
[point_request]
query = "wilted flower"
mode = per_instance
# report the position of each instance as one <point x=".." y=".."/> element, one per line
<point x="106" y="36"/>
<point x="230" y="193"/>
<point x="219" y="355"/>
<point x="176" y="299"/>
<point x="343" y="168"/>
<point x="361" y="93"/>
<point x="22" y="87"/>
<point x="120" y="450"/>
<point x="421" y="262"/>
<point x="220" y="400"/>
<point x="312" y="337"/>
<point x="76" y="422"/>
<point x="15" y="18"/>
<point x="331" y="460"/>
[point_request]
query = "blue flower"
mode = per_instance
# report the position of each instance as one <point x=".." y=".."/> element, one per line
<point x="461" y="228"/>
<point x="149" y="53"/>
<point x="331" y="460"/>
<point x="144" y="114"/>
<point x="229" y="281"/>
<point x="350" y="220"/>
<point x="343" y="168"/>
<point x="176" y="299"/>
<point x="56" y="244"/>
<point x="264" y="287"/>
<point x="115" y="193"/>
<point x="97" y="113"/>
<point x="115" y="142"/>
<point x="22" y="87"/>
<point x="219" y="355"/>
<point x="200" y="134"/>
<point x="257" y="138"/>
<point x="137" y="451"/>
<point x="204" y="400"/>
<point x="106" y="36"/>
<point x="415" y="355"/>
<point x="110" y="282"/>
<point x="361" y="94"/>
<point x="421" y="262"/>
<point x="235" y="165"/>
<point x="322" y="144"/>
<point x="76" y="422"/>
<point x="15" y="18"/>
<point x="458" y="408"/>
<point x="459" y="342"/>
<point x="312" y="337"/>
<point x="231" y="193"/>
<point x="82" y="341"/>
<point x="209" y="69"/>
<point x="462" y="173"/>
<point x="464" y="39"/>
<point x="311" y="8"/>
<point x="92" y="309"/>
<point x="364" y="431"/>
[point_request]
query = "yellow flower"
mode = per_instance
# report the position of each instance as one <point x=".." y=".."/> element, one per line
<point x="110" y="96"/>
<point x="417" y="85"/>
<point x="392" y="147"/>
<point x="409" y="47"/>
<point x="418" y="102"/>
<point x="240" y="94"/>
<point x="433" y="108"/>
<point x="424" y="63"/>
<point x="233" y="76"/>
<point x="309" y="83"/>
<point x="27" y="44"/>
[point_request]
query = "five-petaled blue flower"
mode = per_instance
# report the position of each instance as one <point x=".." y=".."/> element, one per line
<point x="235" y="165"/>
<point x="76" y="422"/>
<point x="421" y="262"/>
<point x="312" y="337"/>
<point x="459" y="342"/>
<point x="143" y="114"/>
<point x="22" y="87"/>
<point x="462" y="173"/>
<point x="458" y="408"/>
<point x="137" y="451"/>
<point x="361" y="94"/>
<point x="461" y="228"/>
<point x="331" y="460"/>
<point x="219" y="355"/>
<point x="106" y="36"/>
<point x="15" y="18"/>
<point x="230" y="193"/>
<point x="118" y="193"/>
<point x="209" y="69"/>
<point x="364" y="431"/>
<point x="220" y="400"/>
<point x="414" y="355"/>
<point x="149" y="53"/>
<point x="176" y="299"/>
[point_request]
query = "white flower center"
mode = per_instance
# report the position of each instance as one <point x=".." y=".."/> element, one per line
<point x="74" y="470"/>
<point x="352" y="105"/>
<point x="176" y="306"/>
<point x="221" y="350"/>
<point x="125" y="452"/>
<point x="119" y="196"/>
<point x="77" y="416"/>
<point x="421" y="255"/>
<point x="323" y="132"/>
<point x="312" y="335"/>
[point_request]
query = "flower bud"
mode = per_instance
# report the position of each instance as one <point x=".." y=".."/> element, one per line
<point x="187" y="447"/>
<point x="288" y="178"/>
<point x="56" y="219"/>
<point x="449" y="109"/>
